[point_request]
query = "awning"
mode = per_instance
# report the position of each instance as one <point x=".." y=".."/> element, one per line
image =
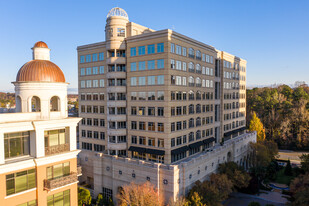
<point x="209" y="140"/>
<point x="155" y="151"/>
<point x="137" y="149"/>
<point x="196" y="144"/>
<point x="179" y="150"/>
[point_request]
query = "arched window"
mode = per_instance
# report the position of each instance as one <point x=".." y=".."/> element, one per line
<point x="191" y="109"/>
<point x="191" y="67"/>
<point x="198" y="122"/>
<point x="54" y="104"/>
<point x="203" y="83"/>
<point x="191" y="123"/>
<point x="18" y="104"/>
<point x="198" y="108"/>
<point x="198" y="134"/>
<point x="191" y="136"/>
<point x="191" y="53"/>
<point x="198" y="69"/>
<point x="191" y="81"/>
<point x="198" y="95"/>
<point x="191" y="95"/>
<point x="203" y="70"/>
<point x="198" y="55"/>
<point x="198" y="82"/>
<point x="35" y="104"/>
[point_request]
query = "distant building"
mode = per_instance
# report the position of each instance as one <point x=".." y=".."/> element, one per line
<point x="38" y="155"/>
<point x="158" y="106"/>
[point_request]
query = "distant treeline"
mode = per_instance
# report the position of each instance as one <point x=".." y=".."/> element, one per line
<point x="284" y="112"/>
<point x="6" y="98"/>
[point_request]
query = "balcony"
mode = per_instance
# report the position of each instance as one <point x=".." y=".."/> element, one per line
<point x="57" y="149"/>
<point x="61" y="181"/>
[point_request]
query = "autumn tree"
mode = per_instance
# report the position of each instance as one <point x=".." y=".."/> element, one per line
<point x="84" y="196"/>
<point x="140" y="195"/>
<point x="196" y="200"/>
<point x="180" y="201"/>
<point x="300" y="190"/>
<point x="235" y="173"/>
<point x="213" y="191"/>
<point x="256" y="125"/>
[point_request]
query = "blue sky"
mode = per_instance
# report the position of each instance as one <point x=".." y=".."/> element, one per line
<point x="272" y="35"/>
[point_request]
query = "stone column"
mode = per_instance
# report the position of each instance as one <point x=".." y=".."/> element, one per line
<point x="72" y="137"/>
<point x="39" y="143"/>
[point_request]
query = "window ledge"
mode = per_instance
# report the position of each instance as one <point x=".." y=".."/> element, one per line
<point x="23" y="192"/>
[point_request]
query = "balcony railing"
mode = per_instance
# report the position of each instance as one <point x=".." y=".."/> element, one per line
<point x="57" y="149"/>
<point x="61" y="181"/>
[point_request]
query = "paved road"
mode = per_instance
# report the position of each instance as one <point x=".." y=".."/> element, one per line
<point x="240" y="199"/>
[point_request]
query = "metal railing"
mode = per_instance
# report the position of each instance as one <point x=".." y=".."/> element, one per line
<point x="57" y="149"/>
<point x="61" y="181"/>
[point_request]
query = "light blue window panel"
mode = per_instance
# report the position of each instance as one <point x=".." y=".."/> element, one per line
<point x="151" y="64"/>
<point x="151" y="80"/>
<point x="141" y="50"/>
<point x="88" y="58"/>
<point x="141" y="66"/>
<point x="160" y="47"/>
<point x="95" y="70"/>
<point x="133" y="66"/>
<point x="82" y="59"/>
<point x="101" y="56"/>
<point x="133" y="81"/>
<point x="141" y="81"/>
<point x="151" y="49"/>
<point x="161" y="79"/>
<point x="133" y="51"/>
<point x="101" y="69"/>
<point x="160" y="63"/>
<point x="95" y="57"/>
<point x="88" y="71"/>
<point x="82" y="71"/>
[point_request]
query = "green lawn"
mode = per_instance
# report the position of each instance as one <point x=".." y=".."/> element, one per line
<point x="282" y="178"/>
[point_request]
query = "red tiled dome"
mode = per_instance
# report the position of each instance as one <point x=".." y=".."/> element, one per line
<point x="40" y="44"/>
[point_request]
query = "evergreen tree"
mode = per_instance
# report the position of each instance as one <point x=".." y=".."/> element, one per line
<point x="257" y="125"/>
<point x="288" y="169"/>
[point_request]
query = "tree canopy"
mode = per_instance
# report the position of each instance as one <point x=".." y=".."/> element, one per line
<point x="256" y="125"/>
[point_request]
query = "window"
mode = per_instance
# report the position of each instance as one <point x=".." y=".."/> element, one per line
<point x="184" y="66"/>
<point x="101" y="69"/>
<point x="88" y="71"/>
<point x="30" y="203"/>
<point x="141" y="50"/>
<point x="133" y="95"/>
<point x="121" y="32"/>
<point x="95" y="83"/>
<point x="82" y="84"/>
<point x="54" y="138"/>
<point x="160" y="79"/>
<point x="142" y="140"/>
<point x="88" y="58"/>
<point x="178" y="49"/>
<point x="133" y="125"/>
<point x="160" y="127"/>
<point x="142" y="96"/>
<point x="178" y="65"/>
<point x="160" y="47"/>
<point x="173" y="142"/>
<point x="58" y="170"/>
<point x="151" y="80"/>
<point x="59" y="199"/>
<point x="172" y="64"/>
<point x="141" y="111"/>
<point x="82" y="71"/>
<point x="88" y="83"/>
<point x="95" y="57"/>
<point x="172" y="48"/>
<point x="151" y="64"/>
<point x="151" y="126"/>
<point x="134" y="139"/>
<point x="101" y="56"/>
<point x="133" y="81"/>
<point x="101" y="82"/>
<point x="151" y="96"/>
<point x="82" y="59"/>
<point x="160" y="63"/>
<point x="133" y="51"/>
<point x="141" y="81"/>
<point x="141" y="66"/>
<point x="20" y="181"/>
<point x="160" y="142"/>
<point x="184" y="51"/>
<point x="16" y="144"/>
<point x="161" y="111"/>
<point x="151" y="111"/>
<point x="133" y="111"/>
<point x="151" y="49"/>
<point x="160" y="95"/>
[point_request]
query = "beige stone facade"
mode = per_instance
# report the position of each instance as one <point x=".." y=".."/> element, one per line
<point x="157" y="104"/>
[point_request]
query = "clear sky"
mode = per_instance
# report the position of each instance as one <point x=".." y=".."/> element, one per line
<point x="272" y="35"/>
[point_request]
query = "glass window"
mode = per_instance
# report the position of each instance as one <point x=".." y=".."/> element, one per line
<point x="88" y="83"/>
<point x="141" y="81"/>
<point x="101" y="69"/>
<point x="20" y="181"/>
<point x="133" y="81"/>
<point x="82" y="84"/>
<point x="82" y="71"/>
<point x="16" y="144"/>
<point x="88" y="71"/>
<point x="88" y="58"/>
<point x="58" y="170"/>
<point x="95" y="57"/>
<point x="95" y="83"/>
<point x="160" y="47"/>
<point x="54" y="138"/>
<point x="141" y="66"/>
<point x="160" y="95"/>
<point x="160" y="63"/>
<point x="95" y="70"/>
<point x="30" y="203"/>
<point x="101" y="82"/>
<point x="151" y="49"/>
<point x="101" y="56"/>
<point x="59" y="199"/>
<point x="151" y="80"/>
<point x="160" y="79"/>
<point x="172" y="48"/>
<point x="133" y="51"/>
<point x="141" y="50"/>
<point x="133" y="66"/>
<point x="184" y="51"/>
<point x="82" y="59"/>
<point x="151" y="64"/>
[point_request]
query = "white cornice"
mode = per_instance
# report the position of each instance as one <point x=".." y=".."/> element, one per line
<point x="56" y="158"/>
<point x="91" y="46"/>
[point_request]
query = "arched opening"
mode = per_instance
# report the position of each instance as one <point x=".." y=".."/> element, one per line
<point x="229" y="156"/>
<point x="35" y="104"/>
<point x="55" y="104"/>
<point x="18" y="104"/>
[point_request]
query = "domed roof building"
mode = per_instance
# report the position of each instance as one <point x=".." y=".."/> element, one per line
<point x="117" y="12"/>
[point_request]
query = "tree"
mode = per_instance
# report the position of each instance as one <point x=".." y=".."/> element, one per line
<point x="263" y="153"/>
<point x="140" y="195"/>
<point x="254" y="204"/>
<point x="100" y="200"/>
<point x="214" y="191"/>
<point x="300" y="190"/>
<point x="257" y="125"/>
<point x="288" y="169"/>
<point x="196" y="200"/>
<point x="84" y="196"/>
<point x="235" y="173"/>
<point x="305" y="162"/>
<point x="181" y="201"/>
